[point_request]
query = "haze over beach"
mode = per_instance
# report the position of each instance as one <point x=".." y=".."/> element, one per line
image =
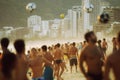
<point x="59" y="39"/>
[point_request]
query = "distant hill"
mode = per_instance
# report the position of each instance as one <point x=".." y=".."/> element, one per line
<point x="13" y="13"/>
<point x="114" y="2"/>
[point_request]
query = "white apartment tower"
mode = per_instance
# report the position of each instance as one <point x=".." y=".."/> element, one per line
<point x="74" y="16"/>
<point x="89" y="19"/>
<point x="34" y="22"/>
<point x="86" y="16"/>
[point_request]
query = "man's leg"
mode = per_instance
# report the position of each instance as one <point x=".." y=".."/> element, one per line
<point x="71" y="65"/>
<point x="62" y="65"/>
<point x="57" y="71"/>
<point x="76" y="64"/>
<point x="54" y="71"/>
<point x="71" y="69"/>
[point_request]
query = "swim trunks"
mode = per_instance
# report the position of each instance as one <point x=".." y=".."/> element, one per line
<point x="95" y="76"/>
<point x="48" y="73"/>
<point x="58" y="61"/>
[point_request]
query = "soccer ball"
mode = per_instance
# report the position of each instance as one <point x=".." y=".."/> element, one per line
<point x="104" y="18"/>
<point x="30" y="6"/>
<point x="89" y="8"/>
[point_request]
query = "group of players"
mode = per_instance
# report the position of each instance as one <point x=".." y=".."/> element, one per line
<point x="49" y="62"/>
<point x="52" y="60"/>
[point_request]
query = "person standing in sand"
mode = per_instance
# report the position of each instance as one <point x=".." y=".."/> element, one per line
<point x="58" y="57"/>
<point x="36" y="63"/>
<point x="112" y="62"/>
<point x="92" y="56"/>
<point x="73" y="55"/>
<point x="48" y="71"/>
<point x="22" y="66"/>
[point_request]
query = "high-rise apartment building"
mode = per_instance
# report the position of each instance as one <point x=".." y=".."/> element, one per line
<point x="89" y="19"/>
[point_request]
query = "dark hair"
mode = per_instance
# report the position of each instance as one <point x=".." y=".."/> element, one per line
<point x="44" y="48"/>
<point x="104" y="39"/>
<point x="118" y="37"/>
<point x="58" y="44"/>
<point x="19" y="46"/>
<point x="8" y="62"/>
<point x="5" y="42"/>
<point x="39" y="49"/>
<point x="88" y="35"/>
<point x="74" y="44"/>
<point x="28" y="51"/>
<point x="84" y="41"/>
<point x="34" y="49"/>
<point x="113" y="38"/>
<point x="50" y="48"/>
<point x="99" y="41"/>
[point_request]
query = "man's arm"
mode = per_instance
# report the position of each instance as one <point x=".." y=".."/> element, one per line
<point x="52" y="57"/>
<point x="107" y="69"/>
<point x="47" y="61"/>
<point x="81" y="60"/>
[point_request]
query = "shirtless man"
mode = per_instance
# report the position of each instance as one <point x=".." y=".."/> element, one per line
<point x="104" y="45"/>
<point x="114" y="41"/>
<point x="66" y="49"/>
<point x="9" y="62"/>
<point x="58" y="57"/>
<point x="113" y="62"/>
<point x="22" y="66"/>
<point x="36" y="63"/>
<point x="48" y="72"/>
<point x="73" y="54"/>
<point x="91" y="55"/>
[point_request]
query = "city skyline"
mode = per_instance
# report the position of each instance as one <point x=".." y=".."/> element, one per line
<point x="77" y="21"/>
<point x="13" y="12"/>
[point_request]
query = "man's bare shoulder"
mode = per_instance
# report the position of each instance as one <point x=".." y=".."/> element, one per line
<point x="84" y="49"/>
<point x="113" y="56"/>
<point x="83" y="52"/>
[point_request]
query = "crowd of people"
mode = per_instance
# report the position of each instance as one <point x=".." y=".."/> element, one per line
<point x="50" y="62"/>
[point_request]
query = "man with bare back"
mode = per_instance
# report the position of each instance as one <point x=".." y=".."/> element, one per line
<point x="104" y="46"/>
<point x="48" y="71"/>
<point x="73" y="54"/>
<point x="22" y="64"/>
<point x="114" y="41"/>
<point x="36" y="63"/>
<point x="113" y="62"/>
<point x="92" y="56"/>
<point x="58" y="57"/>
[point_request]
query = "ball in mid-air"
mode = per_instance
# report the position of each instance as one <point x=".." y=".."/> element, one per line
<point x="62" y="16"/>
<point x="89" y="8"/>
<point x="104" y="18"/>
<point x="30" y="6"/>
